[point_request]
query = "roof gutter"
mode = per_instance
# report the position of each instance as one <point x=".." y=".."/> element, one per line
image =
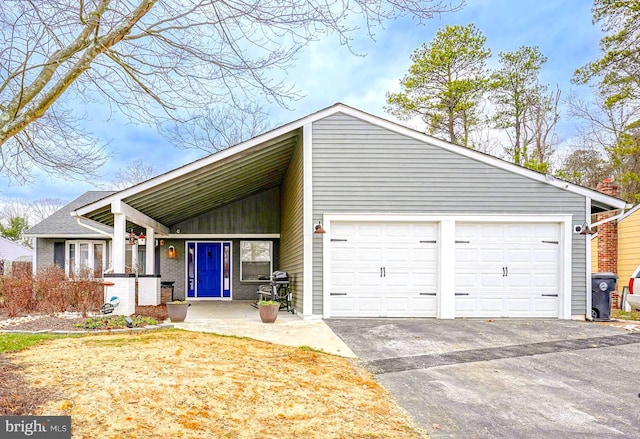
<point x="609" y="219"/>
<point x="87" y="226"/>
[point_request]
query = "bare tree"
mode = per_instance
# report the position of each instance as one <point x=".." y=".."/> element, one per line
<point x="586" y="166"/>
<point x="539" y="128"/>
<point x="32" y="211"/>
<point x="218" y="128"/>
<point x="152" y="59"/>
<point x="134" y="172"/>
<point x="609" y="129"/>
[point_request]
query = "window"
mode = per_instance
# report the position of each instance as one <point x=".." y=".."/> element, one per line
<point x="85" y="254"/>
<point x="255" y="261"/>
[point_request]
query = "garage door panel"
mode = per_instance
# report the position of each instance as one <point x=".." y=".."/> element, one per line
<point x="340" y="281"/>
<point x="342" y="254"/>
<point x="342" y="305"/>
<point x="465" y="305"/>
<point x="367" y="254"/>
<point x="522" y="281"/>
<point x="546" y="304"/>
<point x="491" y="306"/>
<point x="487" y="255"/>
<point x="515" y="265"/>
<point x="489" y="281"/>
<point x="519" y="256"/>
<point x="407" y="254"/>
<point x="369" y="305"/>
<point x="421" y="306"/>
<point x="396" y="254"/>
<point x="425" y="255"/>
<point x="466" y="254"/>
<point x="370" y="232"/>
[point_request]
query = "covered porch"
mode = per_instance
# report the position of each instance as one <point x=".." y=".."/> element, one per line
<point x="195" y="224"/>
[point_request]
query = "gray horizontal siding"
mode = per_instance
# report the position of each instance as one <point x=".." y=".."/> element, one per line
<point x="362" y="168"/>
<point x="291" y="233"/>
<point x="259" y="213"/>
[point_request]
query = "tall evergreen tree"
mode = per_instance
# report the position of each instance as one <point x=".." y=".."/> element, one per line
<point x="445" y="84"/>
<point x="525" y="109"/>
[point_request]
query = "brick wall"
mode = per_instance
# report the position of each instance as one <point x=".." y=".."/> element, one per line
<point x="608" y="238"/>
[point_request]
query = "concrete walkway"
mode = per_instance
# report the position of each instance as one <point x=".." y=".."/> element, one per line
<point x="241" y="319"/>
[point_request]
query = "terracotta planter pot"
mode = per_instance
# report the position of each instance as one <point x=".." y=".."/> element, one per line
<point x="177" y="311"/>
<point x="268" y="313"/>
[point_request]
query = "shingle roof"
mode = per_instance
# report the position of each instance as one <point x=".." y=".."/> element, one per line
<point x="62" y="224"/>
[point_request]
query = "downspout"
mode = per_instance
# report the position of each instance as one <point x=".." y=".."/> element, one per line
<point x="606" y="220"/>
<point x="587" y="237"/>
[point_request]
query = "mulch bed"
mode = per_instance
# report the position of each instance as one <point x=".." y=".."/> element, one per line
<point x="52" y="323"/>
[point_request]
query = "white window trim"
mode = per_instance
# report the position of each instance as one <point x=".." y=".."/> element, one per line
<point x="91" y="244"/>
<point x="258" y="281"/>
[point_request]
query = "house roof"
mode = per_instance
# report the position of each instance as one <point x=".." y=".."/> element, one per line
<point x="260" y="163"/>
<point x="62" y="224"/>
<point x="13" y="251"/>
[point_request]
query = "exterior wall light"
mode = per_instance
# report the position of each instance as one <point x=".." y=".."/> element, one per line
<point x="318" y="228"/>
<point x="171" y="253"/>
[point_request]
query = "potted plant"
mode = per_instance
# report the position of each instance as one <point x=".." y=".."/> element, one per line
<point x="268" y="310"/>
<point x="177" y="310"/>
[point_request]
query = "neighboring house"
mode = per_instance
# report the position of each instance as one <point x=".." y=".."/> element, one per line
<point x="368" y="217"/>
<point x="616" y="247"/>
<point x="13" y="253"/>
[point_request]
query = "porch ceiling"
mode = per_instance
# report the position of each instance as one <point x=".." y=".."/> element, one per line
<point x="222" y="182"/>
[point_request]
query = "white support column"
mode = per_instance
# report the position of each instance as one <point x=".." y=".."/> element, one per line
<point x="34" y="259"/>
<point x="307" y="222"/>
<point x="119" y="231"/>
<point x="135" y="264"/>
<point x="446" y="304"/>
<point x="150" y="261"/>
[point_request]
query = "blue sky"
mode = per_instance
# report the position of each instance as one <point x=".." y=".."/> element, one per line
<point x="326" y="73"/>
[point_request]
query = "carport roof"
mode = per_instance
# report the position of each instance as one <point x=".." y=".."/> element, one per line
<point x="260" y="164"/>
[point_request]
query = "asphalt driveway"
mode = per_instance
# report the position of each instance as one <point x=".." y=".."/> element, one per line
<point x="505" y="378"/>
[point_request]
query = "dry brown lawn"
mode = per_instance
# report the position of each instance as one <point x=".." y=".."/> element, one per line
<point x="174" y="384"/>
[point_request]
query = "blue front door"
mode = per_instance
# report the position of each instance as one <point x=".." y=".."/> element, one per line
<point x="209" y="263"/>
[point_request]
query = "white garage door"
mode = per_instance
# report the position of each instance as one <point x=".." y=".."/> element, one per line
<point x="507" y="270"/>
<point x="383" y="269"/>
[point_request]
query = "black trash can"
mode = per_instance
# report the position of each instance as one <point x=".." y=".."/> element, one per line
<point x="602" y="285"/>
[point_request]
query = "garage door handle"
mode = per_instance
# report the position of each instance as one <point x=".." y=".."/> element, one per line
<point x="549" y="295"/>
<point x="338" y="294"/>
<point x="428" y="294"/>
<point x="462" y="294"/>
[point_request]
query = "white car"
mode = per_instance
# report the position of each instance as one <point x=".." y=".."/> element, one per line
<point x="633" y="298"/>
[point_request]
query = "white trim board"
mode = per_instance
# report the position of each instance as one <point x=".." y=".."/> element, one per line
<point x="306" y="121"/>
